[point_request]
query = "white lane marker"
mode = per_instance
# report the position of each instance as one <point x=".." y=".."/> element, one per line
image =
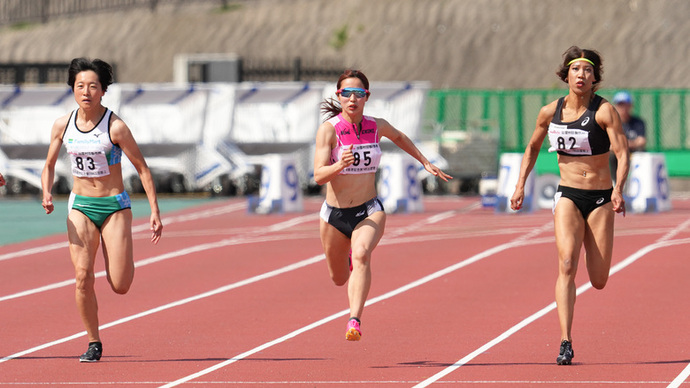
<point x="662" y="242"/>
<point x="523" y="240"/>
<point x="249" y="237"/>
<point x="254" y="279"/>
<point x="135" y="229"/>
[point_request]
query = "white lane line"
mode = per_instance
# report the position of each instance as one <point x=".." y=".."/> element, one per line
<point x="135" y="229"/>
<point x="680" y="378"/>
<point x="662" y="242"/>
<point x="341" y="382"/>
<point x="250" y="237"/>
<point x="522" y="240"/>
<point x="272" y="228"/>
<point x="190" y="299"/>
<point x="686" y="372"/>
<point x="180" y="302"/>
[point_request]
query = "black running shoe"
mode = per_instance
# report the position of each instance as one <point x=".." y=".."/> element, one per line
<point x="566" y="354"/>
<point x="93" y="353"/>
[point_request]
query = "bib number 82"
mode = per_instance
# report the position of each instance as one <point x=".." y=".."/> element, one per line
<point x="562" y="144"/>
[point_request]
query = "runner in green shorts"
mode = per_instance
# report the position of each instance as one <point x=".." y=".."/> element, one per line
<point x="99" y="208"/>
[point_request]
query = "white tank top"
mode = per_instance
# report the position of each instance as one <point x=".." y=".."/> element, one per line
<point x="92" y="151"/>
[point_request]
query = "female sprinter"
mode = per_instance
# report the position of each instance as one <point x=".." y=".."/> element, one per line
<point x="99" y="207"/>
<point x="581" y="127"/>
<point x="346" y="158"/>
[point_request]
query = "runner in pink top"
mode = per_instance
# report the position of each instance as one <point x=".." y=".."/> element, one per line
<point x="365" y="140"/>
<point x="352" y="217"/>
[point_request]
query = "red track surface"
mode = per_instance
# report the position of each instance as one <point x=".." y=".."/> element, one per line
<point x="460" y="295"/>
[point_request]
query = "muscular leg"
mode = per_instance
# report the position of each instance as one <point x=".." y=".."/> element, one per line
<point x="116" y="235"/>
<point x="337" y="248"/>
<point x="83" y="238"/>
<point x="598" y="241"/>
<point x="364" y="239"/>
<point x="569" y="228"/>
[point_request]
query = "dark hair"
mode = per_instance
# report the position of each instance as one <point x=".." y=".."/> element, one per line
<point x="331" y="107"/>
<point x="575" y="52"/>
<point x="101" y="68"/>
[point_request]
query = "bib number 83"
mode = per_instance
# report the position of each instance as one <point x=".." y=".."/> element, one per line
<point x="90" y="163"/>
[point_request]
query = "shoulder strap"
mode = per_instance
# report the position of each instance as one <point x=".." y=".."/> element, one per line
<point x="73" y="114"/>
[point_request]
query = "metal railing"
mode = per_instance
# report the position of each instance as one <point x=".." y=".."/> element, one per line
<point x="513" y="114"/>
<point x="35" y="11"/>
<point x="510" y="115"/>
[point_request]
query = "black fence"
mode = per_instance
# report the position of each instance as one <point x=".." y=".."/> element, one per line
<point x="296" y="69"/>
<point x="35" y="11"/>
<point x="249" y="70"/>
<point x="33" y="73"/>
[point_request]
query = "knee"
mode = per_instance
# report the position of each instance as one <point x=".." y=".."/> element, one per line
<point x="84" y="280"/>
<point x="599" y="283"/>
<point x="567" y="266"/>
<point x="360" y="256"/>
<point x="339" y="280"/>
<point x="120" y="288"/>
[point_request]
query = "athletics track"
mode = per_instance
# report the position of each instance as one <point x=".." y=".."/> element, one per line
<point x="460" y="296"/>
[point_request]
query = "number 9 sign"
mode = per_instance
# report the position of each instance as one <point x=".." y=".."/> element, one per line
<point x="280" y="188"/>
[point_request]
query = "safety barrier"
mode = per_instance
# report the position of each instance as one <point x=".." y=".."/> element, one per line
<point x="193" y="135"/>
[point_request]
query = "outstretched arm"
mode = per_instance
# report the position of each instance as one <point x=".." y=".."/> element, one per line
<point x="406" y="144"/>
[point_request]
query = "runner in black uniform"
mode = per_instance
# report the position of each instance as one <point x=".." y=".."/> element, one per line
<point x="581" y="127"/>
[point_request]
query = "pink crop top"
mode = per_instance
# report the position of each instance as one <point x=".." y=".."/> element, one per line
<point x="364" y="137"/>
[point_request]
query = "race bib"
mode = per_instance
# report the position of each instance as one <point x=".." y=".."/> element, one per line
<point x="89" y="164"/>
<point x="367" y="158"/>
<point x="568" y="140"/>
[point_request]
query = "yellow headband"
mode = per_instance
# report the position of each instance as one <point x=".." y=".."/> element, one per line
<point x="580" y="59"/>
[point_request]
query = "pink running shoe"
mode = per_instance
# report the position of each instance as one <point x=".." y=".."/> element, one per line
<point x="353" y="333"/>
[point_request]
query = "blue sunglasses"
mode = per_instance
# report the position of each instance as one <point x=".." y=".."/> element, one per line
<point x="347" y="92"/>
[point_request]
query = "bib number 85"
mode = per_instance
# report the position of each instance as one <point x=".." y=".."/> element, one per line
<point x="367" y="158"/>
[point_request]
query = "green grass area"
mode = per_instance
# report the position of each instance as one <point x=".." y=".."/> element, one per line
<point x="677" y="163"/>
<point x="24" y="219"/>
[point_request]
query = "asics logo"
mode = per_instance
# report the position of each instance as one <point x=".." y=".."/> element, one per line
<point x="600" y="201"/>
<point x="585" y="121"/>
<point x="360" y="213"/>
